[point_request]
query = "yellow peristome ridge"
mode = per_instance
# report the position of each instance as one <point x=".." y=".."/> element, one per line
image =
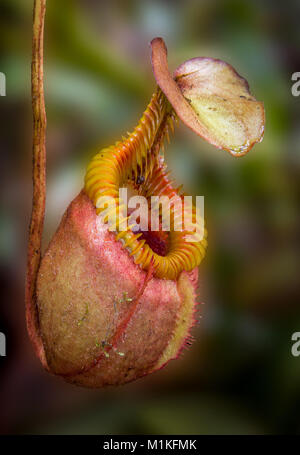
<point x="137" y="160"/>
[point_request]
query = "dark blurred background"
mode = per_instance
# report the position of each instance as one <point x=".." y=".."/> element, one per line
<point x="239" y="376"/>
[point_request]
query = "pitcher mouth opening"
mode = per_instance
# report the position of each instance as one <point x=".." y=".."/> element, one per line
<point x="158" y="241"/>
<point x="136" y="163"/>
